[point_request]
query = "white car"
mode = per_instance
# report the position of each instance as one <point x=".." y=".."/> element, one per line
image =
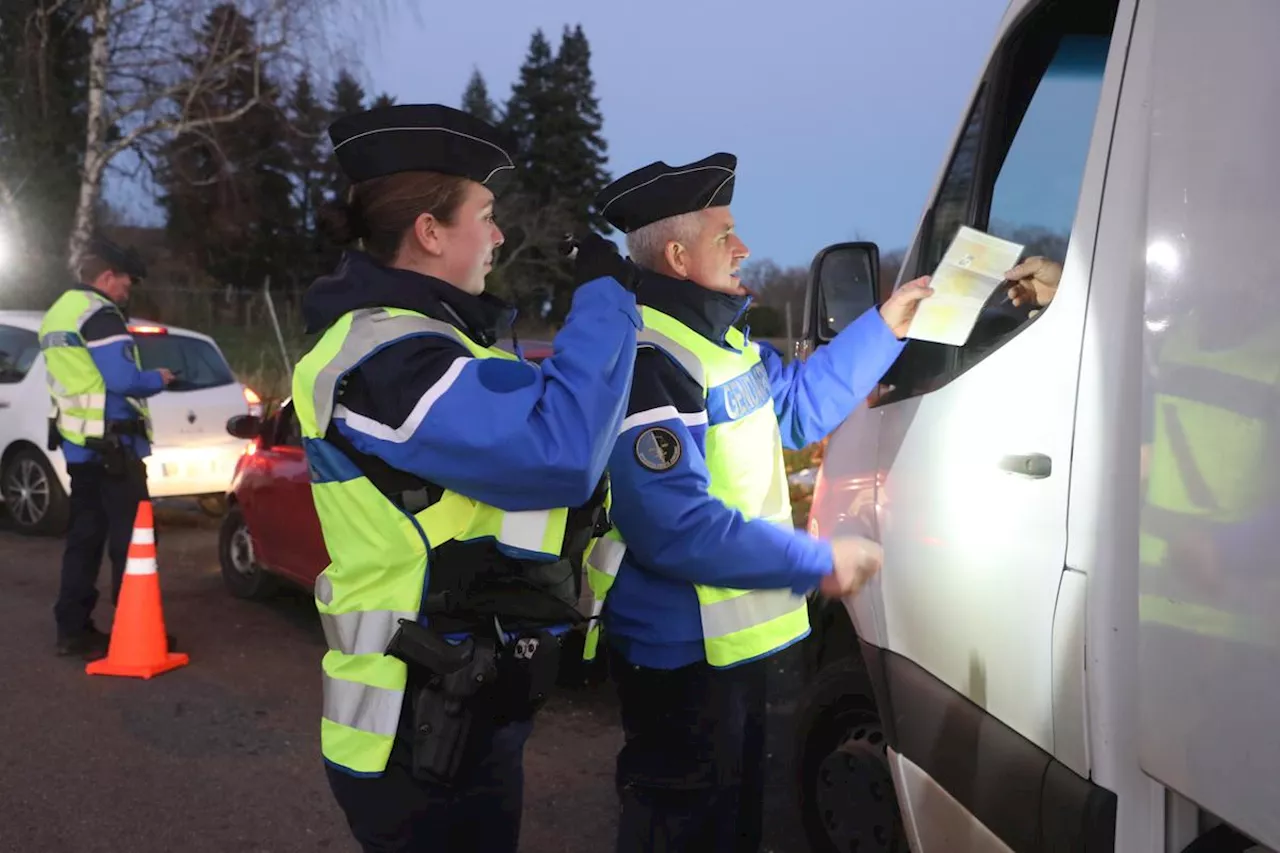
<point x="192" y="455"/>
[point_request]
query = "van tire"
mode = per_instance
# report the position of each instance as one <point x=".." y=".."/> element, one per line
<point x="846" y="795"/>
<point x="242" y="574"/>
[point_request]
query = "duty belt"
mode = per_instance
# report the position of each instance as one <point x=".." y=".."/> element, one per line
<point x="129" y="427"/>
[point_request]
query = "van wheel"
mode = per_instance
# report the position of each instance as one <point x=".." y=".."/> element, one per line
<point x="33" y="495"/>
<point x="243" y="575"/>
<point x="1222" y="839"/>
<point x="847" y="799"/>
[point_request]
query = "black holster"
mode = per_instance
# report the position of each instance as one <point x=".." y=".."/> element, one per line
<point x="115" y="454"/>
<point x="448" y="677"/>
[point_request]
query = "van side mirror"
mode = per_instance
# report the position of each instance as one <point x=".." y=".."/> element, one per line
<point x="843" y="285"/>
<point x="247" y="427"/>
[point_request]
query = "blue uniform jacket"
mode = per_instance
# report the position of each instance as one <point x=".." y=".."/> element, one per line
<point x="511" y="434"/>
<point x="112" y="348"/>
<point x="676" y="533"/>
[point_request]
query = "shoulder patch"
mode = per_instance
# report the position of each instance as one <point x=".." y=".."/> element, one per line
<point x="658" y="449"/>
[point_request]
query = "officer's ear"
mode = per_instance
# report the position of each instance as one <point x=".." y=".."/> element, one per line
<point x="677" y="257"/>
<point x="426" y="236"/>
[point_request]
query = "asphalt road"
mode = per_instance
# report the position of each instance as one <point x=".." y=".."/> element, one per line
<point x="223" y="755"/>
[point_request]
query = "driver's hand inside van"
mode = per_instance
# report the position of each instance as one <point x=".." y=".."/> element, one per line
<point x="1035" y="282"/>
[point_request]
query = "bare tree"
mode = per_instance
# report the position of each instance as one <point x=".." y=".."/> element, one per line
<point x="144" y="87"/>
<point x="890" y="267"/>
<point x="533" y="232"/>
<point x="776" y="286"/>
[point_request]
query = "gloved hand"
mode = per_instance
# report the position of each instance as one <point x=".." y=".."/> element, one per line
<point x="595" y="257"/>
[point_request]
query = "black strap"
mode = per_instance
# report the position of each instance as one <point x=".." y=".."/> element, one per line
<point x="472" y="582"/>
<point x="407" y="491"/>
<point x="129" y="427"/>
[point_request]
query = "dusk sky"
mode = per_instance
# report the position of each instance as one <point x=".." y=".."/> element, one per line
<point x="840" y="111"/>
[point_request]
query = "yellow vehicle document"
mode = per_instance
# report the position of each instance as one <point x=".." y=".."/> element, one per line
<point x="970" y="271"/>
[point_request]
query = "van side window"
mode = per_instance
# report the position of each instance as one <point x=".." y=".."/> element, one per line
<point x="1016" y="172"/>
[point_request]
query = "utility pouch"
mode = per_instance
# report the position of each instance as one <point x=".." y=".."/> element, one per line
<point x="527" y="670"/>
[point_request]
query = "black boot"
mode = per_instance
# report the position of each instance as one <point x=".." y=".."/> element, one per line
<point x="90" y="644"/>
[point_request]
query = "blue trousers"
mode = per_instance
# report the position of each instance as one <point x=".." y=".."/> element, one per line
<point x="397" y="813"/>
<point x="103" y="509"/>
<point x="690" y="775"/>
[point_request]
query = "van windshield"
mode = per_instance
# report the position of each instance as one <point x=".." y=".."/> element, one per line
<point x="196" y="365"/>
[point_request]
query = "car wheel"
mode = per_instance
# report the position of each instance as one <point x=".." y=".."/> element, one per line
<point x="33" y="496"/>
<point x="845" y="788"/>
<point x="243" y="575"/>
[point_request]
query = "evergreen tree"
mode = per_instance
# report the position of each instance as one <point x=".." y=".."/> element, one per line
<point x="347" y="97"/>
<point x="308" y="121"/>
<point x="228" y="189"/>
<point x="475" y="100"/>
<point x="308" y="145"/>
<point x="554" y="120"/>
<point x="581" y="162"/>
<point x="529" y="272"/>
<point x="528" y="117"/>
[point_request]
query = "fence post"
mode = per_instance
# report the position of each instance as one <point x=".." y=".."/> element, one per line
<point x="791" y="338"/>
<point x="271" y="308"/>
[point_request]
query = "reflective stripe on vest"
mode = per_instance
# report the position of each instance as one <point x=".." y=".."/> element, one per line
<point x="379" y="553"/>
<point x="1208" y="621"/>
<point x="742" y="429"/>
<point x="603" y="560"/>
<point x="1213" y="410"/>
<point x="1211" y="455"/>
<point x="76" y="386"/>
<point x="371" y="329"/>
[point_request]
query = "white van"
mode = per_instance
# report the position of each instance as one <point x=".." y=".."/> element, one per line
<point x="192" y="455"/>
<point x="1074" y="644"/>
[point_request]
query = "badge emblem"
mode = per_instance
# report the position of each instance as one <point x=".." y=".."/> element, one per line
<point x="658" y="449"/>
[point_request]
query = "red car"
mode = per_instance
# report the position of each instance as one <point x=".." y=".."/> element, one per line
<point x="271" y="531"/>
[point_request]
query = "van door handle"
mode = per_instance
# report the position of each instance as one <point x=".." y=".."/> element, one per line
<point x="4" y="404"/>
<point x="1034" y="465"/>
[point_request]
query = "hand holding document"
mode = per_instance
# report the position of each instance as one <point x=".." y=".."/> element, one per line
<point x="970" y="271"/>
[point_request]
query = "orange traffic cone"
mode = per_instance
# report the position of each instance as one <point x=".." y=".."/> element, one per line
<point x="139" y="647"/>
